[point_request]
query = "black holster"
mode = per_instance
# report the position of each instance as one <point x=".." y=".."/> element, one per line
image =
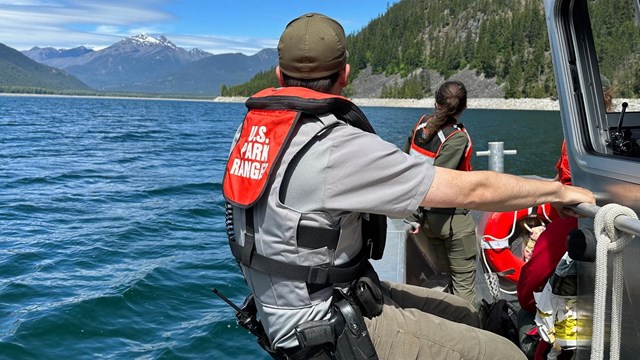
<point x="367" y="293"/>
<point x="343" y="336"/>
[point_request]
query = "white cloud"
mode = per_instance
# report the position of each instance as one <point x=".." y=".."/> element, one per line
<point x="222" y="44"/>
<point x="101" y="23"/>
<point x="108" y="30"/>
<point x="144" y="30"/>
<point x="28" y="3"/>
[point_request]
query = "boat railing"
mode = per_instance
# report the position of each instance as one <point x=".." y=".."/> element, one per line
<point x="624" y="223"/>
<point x="496" y="154"/>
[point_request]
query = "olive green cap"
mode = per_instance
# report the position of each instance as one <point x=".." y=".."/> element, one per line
<point x="312" y="47"/>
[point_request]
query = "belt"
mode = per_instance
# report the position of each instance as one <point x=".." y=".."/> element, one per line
<point x="318" y="352"/>
<point x="447" y="211"/>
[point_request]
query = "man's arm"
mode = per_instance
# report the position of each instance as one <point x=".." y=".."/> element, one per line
<point x="492" y="191"/>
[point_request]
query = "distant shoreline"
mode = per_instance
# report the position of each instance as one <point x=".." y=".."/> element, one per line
<point x="472" y="103"/>
<point x="108" y="97"/>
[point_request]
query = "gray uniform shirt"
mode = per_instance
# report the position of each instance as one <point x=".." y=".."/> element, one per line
<point x="335" y="178"/>
<point x="350" y="170"/>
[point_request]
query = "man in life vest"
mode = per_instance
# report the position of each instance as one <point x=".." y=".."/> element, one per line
<point x="309" y="185"/>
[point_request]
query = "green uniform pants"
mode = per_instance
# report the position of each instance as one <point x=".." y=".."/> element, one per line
<point x="422" y="323"/>
<point x="457" y="234"/>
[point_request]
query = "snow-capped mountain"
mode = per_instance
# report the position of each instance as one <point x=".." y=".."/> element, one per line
<point x="146" y="40"/>
<point x="143" y="63"/>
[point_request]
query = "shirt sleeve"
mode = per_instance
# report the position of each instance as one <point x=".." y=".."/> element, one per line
<point x="452" y="151"/>
<point x="367" y="174"/>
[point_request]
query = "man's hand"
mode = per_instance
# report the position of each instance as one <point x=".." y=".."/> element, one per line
<point x="573" y="195"/>
<point x="413" y="228"/>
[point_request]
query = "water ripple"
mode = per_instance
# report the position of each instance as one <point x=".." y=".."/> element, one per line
<point x="113" y="230"/>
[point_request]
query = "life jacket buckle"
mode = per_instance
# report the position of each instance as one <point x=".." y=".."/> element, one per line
<point x="318" y="275"/>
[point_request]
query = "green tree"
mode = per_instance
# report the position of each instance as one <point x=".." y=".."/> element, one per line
<point x="504" y="40"/>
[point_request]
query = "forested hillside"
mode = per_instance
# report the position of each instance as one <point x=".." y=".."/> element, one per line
<point x="504" y="40"/>
<point x="18" y="73"/>
<point x="617" y="41"/>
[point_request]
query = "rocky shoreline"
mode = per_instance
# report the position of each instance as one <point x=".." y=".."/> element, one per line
<point x="472" y="103"/>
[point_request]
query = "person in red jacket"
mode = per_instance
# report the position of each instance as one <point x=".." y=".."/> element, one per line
<point x="549" y="249"/>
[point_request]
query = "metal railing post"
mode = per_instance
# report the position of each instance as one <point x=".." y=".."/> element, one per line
<point x="496" y="154"/>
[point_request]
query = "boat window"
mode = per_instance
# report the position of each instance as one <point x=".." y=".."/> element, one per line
<point x="616" y="35"/>
<point x="615" y="27"/>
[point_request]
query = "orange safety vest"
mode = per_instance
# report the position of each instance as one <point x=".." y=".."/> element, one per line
<point x="272" y="116"/>
<point x="430" y="150"/>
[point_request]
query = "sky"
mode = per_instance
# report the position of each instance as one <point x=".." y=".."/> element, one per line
<point x="215" y="26"/>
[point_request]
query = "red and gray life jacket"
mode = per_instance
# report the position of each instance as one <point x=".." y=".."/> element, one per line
<point x="430" y="150"/>
<point x="287" y="257"/>
<point x="266" y="131"/>
<point x="272" y="116"/>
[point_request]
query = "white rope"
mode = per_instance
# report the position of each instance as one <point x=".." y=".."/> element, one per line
<point x="608" y="239"/>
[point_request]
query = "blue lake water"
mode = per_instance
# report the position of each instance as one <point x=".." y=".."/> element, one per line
<point x="112" y="221"/>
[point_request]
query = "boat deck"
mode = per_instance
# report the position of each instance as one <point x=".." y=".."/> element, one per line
<point x="407" y="260"/>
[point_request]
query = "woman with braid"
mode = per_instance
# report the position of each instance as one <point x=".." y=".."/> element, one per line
<point x="441" y="140"/>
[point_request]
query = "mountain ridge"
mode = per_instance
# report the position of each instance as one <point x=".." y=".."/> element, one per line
<point x="498" y="48"/>
<point x="154" y="65"/>
<point x="18" y="71"/>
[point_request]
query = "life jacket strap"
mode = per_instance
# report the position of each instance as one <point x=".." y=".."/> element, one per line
<point x="315" y="238"/>
<point x="249" y="247"/>
<point x="320" y="274"/>
<point x="446" y="211"/>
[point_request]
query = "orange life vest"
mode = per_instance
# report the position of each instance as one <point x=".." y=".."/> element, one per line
<point x="430" y="150"/>
<point x="272" y="116"/>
